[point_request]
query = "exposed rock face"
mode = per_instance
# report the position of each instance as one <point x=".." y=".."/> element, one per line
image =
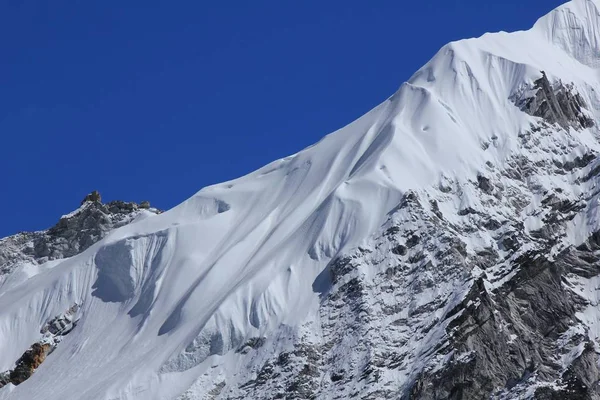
<point x="4" y="378"/>
<point x="29" y="362"/>
<point x="556" y="104"/>
<point x="447" y="301"/>
<point x="579" y="382"/>
<point x="73" y="233"/>
<point x="62" y="324"/>
<point x="52" y="334"/>
<point x="539" y="311"/>
<point x="94" y="197"/>
<point x="452" y="300"/>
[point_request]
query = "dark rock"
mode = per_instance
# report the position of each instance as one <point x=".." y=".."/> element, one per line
<point x="579" y="382"/>
<point x="283" y="359"/>
<point x="94" y="197"/>
<point x="4" y="378"/>
<point x="467" y="211"/>
<point x="491" y="224"/>
<point x="336" y="377"/>
<point x="486" y="258"/>
<point x="252" y="343"/>
<point x="558" y="104"/>
<point x="511" y="242"/>
<point x="399" y="250"/>
<point x="72" y="234"/>
<point x="436" y="209"/>
<point x="484" y="184"/>
<point x="37" y="353"/>
<point x="540" y="309"/>
<point x="580" y="162"/>
<point x="413" y="241"/>
<point x="594" y="172"/>
<point x="392" y="231"/>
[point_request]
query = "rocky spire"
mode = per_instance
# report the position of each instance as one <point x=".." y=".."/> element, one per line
<point x="93" y="197"/>
<point x="556" y="103"/>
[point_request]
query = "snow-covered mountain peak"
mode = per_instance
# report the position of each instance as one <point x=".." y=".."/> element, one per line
<point x="434" y="110"/>
<point x="375" y="263"/>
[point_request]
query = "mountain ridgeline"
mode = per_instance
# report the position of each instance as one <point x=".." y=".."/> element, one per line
<point x="445" y="245"/>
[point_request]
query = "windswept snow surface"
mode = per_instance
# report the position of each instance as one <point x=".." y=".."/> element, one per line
<point x="168" y="297"/>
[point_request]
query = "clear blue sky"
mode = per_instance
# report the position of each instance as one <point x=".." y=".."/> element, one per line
<point x="155" y="100"/>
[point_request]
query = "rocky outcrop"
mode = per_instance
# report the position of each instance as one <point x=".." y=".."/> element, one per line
<point x="4" y="378"/>
<point x="579" y="381"/>
<point x="62" y="324"/>
<point x="454" y="299"/>
<point x="556" y="104"/>
<point x="74" y="232"/>
<point x="93" y="197"/>
<point x="512" y="336"/>
<point x="29" y="362"/>
<point x="52" y="333"/>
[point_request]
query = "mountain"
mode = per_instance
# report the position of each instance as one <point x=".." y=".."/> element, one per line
<point x="446" y="245"/>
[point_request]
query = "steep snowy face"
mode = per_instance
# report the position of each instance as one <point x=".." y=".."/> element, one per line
<point x="444" y="245"/>
<point x="575" y="29"/>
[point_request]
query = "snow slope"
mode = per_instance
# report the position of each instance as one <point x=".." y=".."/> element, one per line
<point x="168" y="297"/>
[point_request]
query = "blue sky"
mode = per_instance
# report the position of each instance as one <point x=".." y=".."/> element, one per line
<point x="155" y="100"/>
